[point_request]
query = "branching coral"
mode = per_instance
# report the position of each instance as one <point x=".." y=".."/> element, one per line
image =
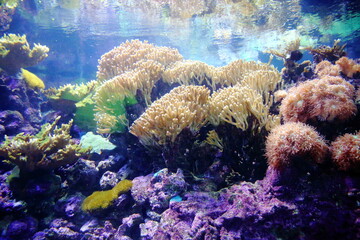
<point x="235" y="105"/>
<point x="328" y="53"/>
<point x="15" y="53"/>
<point x="51" y="148"/>
<point x="214" y="140"/>
<point x="103" y="199"/>
<point x="294" y="141"/>
<point x="345" y="152"/>
<point x="183" y="107"/>
<point x="72" y="92"/>
<point x="325" y="99"/>
<point x="127" y="56"/>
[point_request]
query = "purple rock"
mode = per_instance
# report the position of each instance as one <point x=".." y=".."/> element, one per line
<point x="22" y="228"/>
<point x="158" y="189"/>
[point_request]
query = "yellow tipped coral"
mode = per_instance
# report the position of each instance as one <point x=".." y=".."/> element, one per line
<point x="15" y="53"/>
<point x="235" y="71"/>
<point x="162" y="122"/>
<point x="189" y="72"/>
<point x="32" y="80"/>
<point x="235" y="105"/>
<point x="103" y="199"/>
<point x="127" y="56"/>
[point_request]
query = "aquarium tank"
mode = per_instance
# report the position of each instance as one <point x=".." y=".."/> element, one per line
<point x="179" y="119"/>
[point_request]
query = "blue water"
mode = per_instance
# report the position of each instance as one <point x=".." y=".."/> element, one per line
<point x="78" y="32"/>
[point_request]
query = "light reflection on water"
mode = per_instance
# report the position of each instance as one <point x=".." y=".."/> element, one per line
<point x="217" y="32"/>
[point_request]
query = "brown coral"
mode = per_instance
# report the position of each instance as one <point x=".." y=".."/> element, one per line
<point x="325" y="99"/>
<point x="294" y="140"/>
<point x="183" y="107"/>
<point x="345" y="152"/>
<point x="15" y="53"/>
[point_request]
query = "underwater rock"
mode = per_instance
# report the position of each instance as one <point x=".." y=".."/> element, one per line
<point x="8" y="205"/>
<point x="259" y="211"/>
<point x="62" y="229"/>
<point x="22" y="229"/>
<point x="82" y="176"/>
<point x="20" y="107"/>
<point x="158" y="189"/>
<point x="128" y="224"/>
<point x="105" y="232"/>
<point x="108" y="180"/>
<point x="70" y="206"/>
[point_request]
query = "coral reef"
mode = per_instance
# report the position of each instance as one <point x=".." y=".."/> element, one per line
<point x="348" y="67"/>
<point x="51" y="148"/>
<point x="183" y="107"/>
<point x="331" y="54"/>
<point x="257" y="211"/>
<point x="326" y="99"/>
<point x="130" y="55"/>
<point x="103" y="199"/>
<point x="16" y="53"/>
<point x="294" y="141"/>
<point x="229" y="169"/>
<point x="345" y="152"/>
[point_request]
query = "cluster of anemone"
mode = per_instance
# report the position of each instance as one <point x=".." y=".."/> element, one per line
<point x="327" y="99"/>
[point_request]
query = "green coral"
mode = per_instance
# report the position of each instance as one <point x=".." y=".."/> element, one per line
<point x="76" y="92"/>
<point x="111" y="110"/>
<point x="82" y="96"/>
<point x="103" y="199"/>
<point x="51" y="148"/>
<point x="96" y="142"/>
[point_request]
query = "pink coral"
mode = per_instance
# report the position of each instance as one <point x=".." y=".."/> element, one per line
<point x="345" y="152"/>
<point x="348" y="66"/>
<point x="326" y="68"/>
<point x="294" y="140"/>
<point x="324" y="99"/>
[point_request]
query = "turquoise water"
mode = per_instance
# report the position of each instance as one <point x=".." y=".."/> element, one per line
<point x="216" y="32"/>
